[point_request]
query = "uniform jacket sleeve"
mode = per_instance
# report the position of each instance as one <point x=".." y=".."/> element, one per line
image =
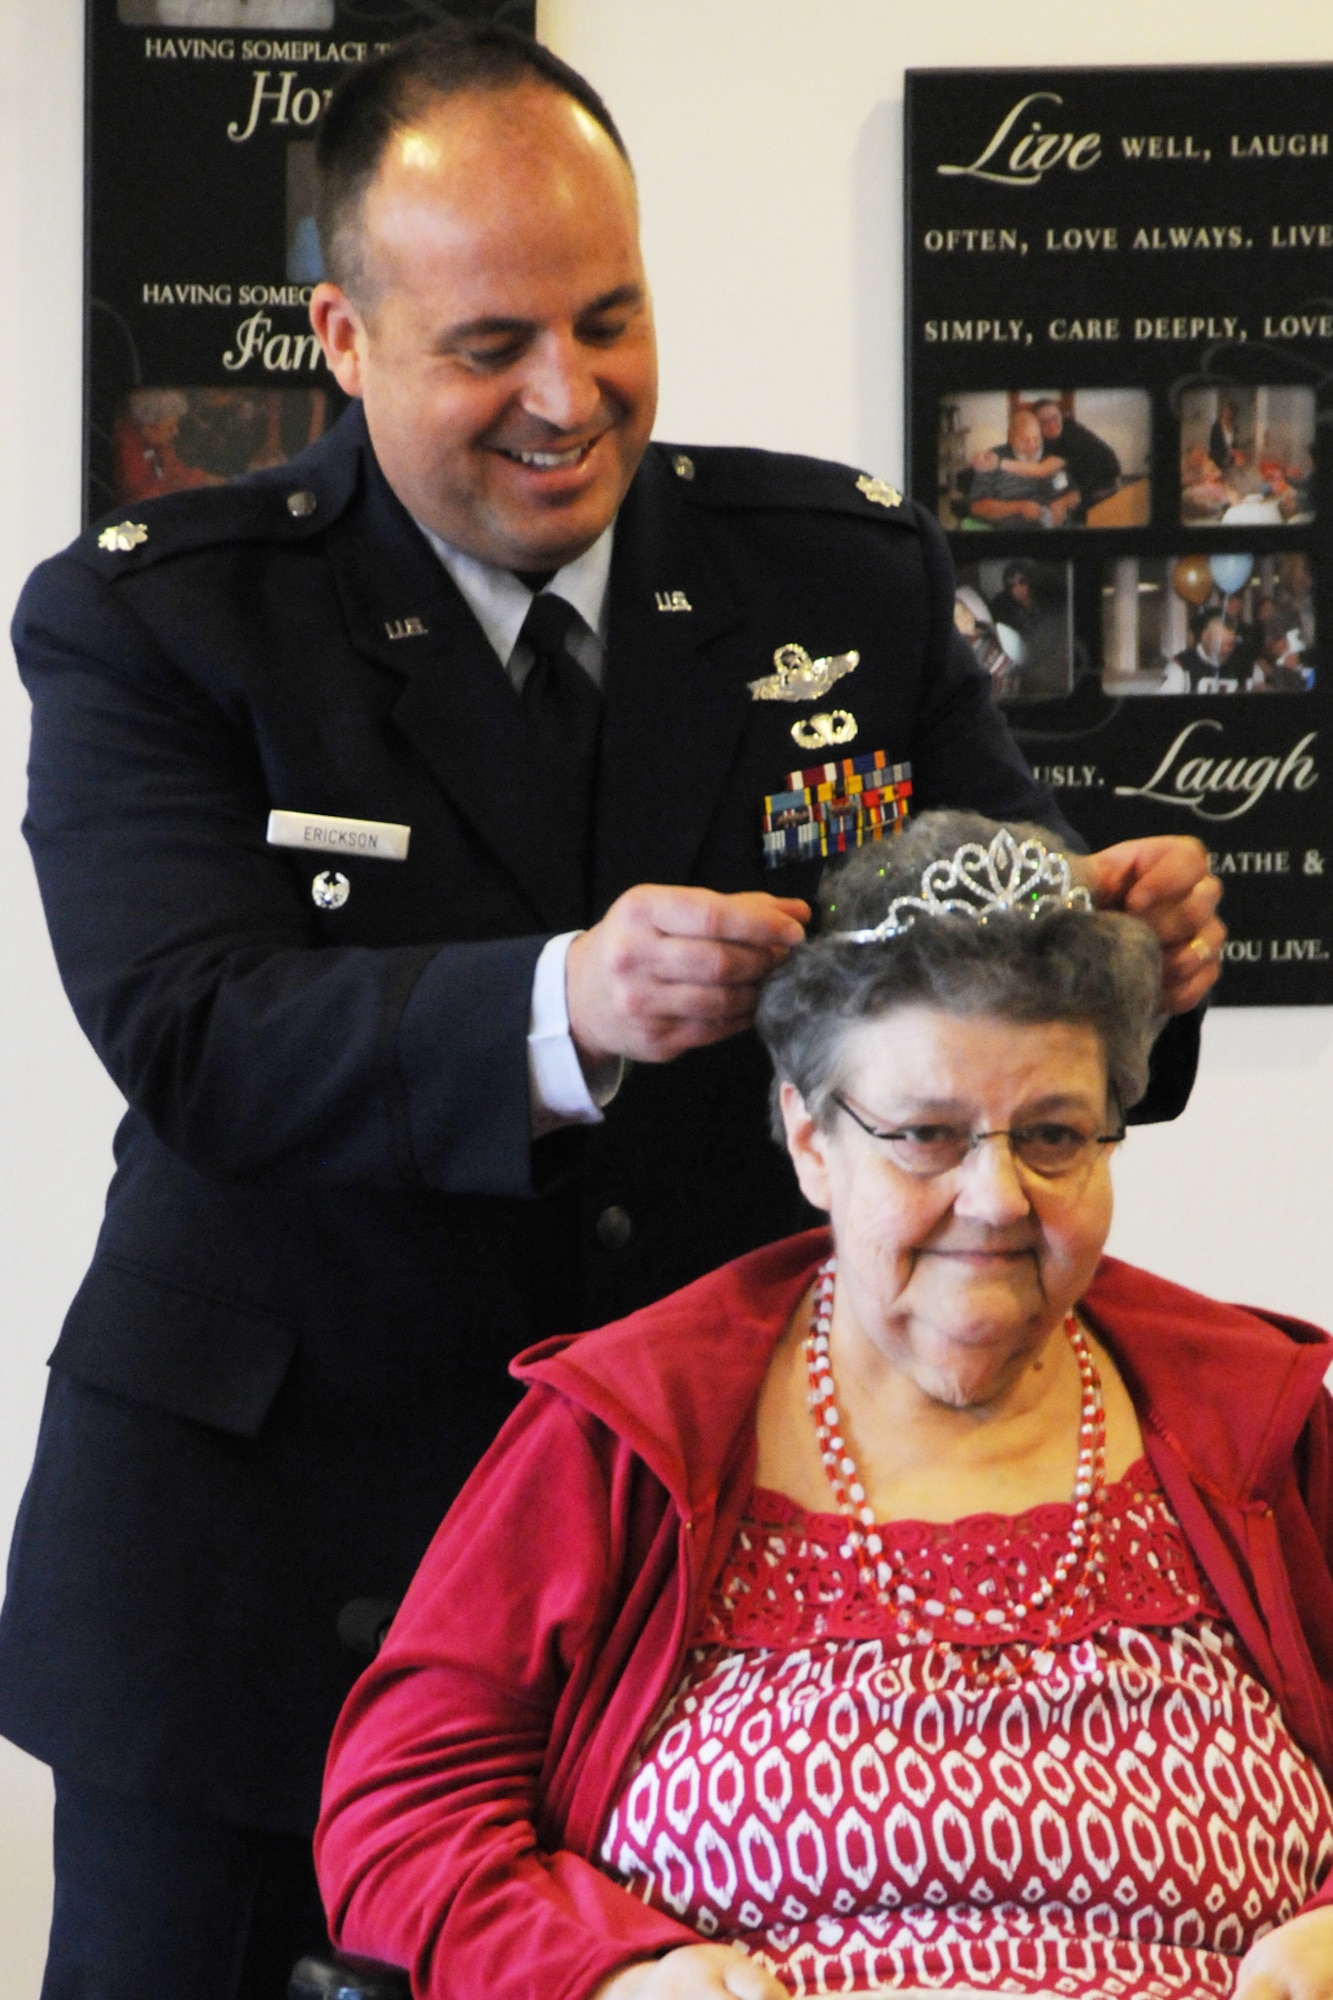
<point x="435" y="1849"/>
<point x="251" y="1041"/>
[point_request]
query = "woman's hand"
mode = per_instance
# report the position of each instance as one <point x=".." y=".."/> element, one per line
<point x="1294" y="1962"/>
<point x="696" y="1972"/>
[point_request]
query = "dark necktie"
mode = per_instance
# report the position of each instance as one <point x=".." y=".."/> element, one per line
<point x="562" y="713"/>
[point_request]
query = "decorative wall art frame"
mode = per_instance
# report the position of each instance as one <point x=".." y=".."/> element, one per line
<point x="1119" y="393"/>
<point x="199" y="362"/>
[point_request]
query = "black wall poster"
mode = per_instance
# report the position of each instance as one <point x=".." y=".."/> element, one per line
<point x="201" y="255"/>
<point x="1120" y="386"/>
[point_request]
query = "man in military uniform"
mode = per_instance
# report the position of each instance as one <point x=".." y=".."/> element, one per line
<point x="370" y="868"/>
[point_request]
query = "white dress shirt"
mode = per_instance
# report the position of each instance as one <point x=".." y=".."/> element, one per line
<point x="559" y="1092"/>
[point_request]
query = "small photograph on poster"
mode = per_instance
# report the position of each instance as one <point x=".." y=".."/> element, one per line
<point x="305" y="266"/>
<point x="1018" y="619"/>
<point x="1045" y="458"/>
<point x="1200" y="624"/>
<point x="167" y="439"/>
<point x="226" y="13"/>
<point x="1247" y="456"/>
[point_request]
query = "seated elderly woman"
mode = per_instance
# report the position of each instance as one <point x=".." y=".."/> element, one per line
<point x="935" y="1603"/>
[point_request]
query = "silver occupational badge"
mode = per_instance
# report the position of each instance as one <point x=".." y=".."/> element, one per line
<point x="799" y="678"/>
<point x="879" y="490"/>
<point x="330" y="890"/>
<point x="126" y="535"/>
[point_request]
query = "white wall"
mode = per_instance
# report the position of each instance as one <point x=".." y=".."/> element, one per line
<point x="766" y="135"/>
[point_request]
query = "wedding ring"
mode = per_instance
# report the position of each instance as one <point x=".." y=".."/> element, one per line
<point x="1205" y="951"/>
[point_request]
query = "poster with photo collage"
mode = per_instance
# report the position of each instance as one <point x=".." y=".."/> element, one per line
<point x="1119" y="387"/>
<point x="201" y="254"/>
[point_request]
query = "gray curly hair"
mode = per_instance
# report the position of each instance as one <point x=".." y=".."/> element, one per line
<point x="1098" y="968"/>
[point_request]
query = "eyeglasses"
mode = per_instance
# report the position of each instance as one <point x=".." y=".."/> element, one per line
<point x="1047" y="1148"/>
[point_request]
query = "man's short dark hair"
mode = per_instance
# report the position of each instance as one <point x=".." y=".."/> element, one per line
<point x="393" y="91"/>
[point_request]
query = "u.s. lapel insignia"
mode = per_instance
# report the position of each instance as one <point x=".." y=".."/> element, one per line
<point x="820" y="732"/>
<point x="330" y="890"/>
<point x="879" y="490"/>
<point x="123" y="537"/>
<point x="799" y="678"/>
<point x="405" y="628"/>
<point x="672" y="600"/>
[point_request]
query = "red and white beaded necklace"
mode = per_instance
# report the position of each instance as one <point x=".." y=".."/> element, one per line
<point x="1078" y="1568"/>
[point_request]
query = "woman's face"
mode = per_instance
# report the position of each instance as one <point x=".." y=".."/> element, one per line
<point x="957" y="1280"/>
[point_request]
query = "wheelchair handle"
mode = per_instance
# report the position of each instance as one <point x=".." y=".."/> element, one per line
<point x="340" y="1978"/>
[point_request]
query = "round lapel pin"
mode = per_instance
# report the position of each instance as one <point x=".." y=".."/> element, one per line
<point x="330" y="890"/>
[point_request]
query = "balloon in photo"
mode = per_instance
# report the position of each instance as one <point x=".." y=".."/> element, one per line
<point x="1231" y="573"/>
<point x="1192" y="579"/>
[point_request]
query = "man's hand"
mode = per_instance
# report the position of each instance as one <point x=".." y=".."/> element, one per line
<point x="669" y="969"/>
<point x="1294" y="1962"/>
<point x="694" y="1972"/>
<point x="1164" y="879"/>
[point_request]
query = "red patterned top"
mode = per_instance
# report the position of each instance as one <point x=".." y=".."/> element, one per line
<point x="1120" y="1814"/>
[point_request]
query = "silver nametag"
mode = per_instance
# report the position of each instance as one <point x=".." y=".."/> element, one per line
<point x="325" y="833"/>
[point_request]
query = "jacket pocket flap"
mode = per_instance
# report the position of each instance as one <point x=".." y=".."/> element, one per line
<point x="141" y="1334"/>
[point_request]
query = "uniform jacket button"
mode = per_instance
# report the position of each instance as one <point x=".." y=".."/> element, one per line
<point x="613" y="1228"/>
<point x="301" y="504"/>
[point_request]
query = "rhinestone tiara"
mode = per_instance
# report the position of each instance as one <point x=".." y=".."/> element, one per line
<point x="1009" y="878"/>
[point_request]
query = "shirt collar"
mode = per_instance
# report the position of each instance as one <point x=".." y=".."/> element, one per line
<point x="499" y="600"/>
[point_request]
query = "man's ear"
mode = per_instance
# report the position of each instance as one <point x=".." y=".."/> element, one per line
<point x="341" y="332"/>
<point x="807" y="1145"/>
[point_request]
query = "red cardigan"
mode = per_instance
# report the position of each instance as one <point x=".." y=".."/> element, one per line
<point x="476" y="1761"/>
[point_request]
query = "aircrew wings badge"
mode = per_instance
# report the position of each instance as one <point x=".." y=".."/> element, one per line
<point x="831" y="808"/>
<point x="799" y="678"/>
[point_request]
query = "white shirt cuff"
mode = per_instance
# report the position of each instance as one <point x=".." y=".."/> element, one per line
<point x="559" y="1092"/>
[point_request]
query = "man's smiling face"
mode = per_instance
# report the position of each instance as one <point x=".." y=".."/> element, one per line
<point x="502" y="340"/>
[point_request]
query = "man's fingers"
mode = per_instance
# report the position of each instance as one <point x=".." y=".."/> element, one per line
<point x="669" y="969"/>
<point x="750" y="917"/>
<point x="1190" y="970"/>
<point x="708" y="1005"/>
<point x="676" y="961"/>
<point x="1136" y="874"/>
<point x="1167" y="867"/>
<point x="660" y="1024"/>
<point x="1178" y="920"/>
<point x="1202" y="949"/>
